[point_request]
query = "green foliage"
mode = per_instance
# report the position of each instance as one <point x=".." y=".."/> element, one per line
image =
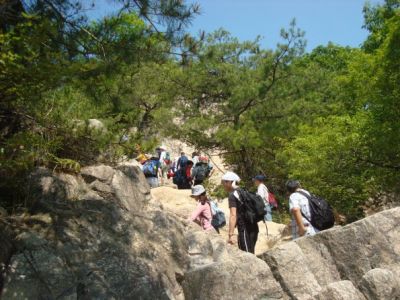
<point x="329" y="117"/>
<point x="58" y="73"/>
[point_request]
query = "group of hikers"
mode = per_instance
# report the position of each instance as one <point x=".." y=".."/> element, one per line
<point x="310" y="214"/>
<point x="185" y="172"/>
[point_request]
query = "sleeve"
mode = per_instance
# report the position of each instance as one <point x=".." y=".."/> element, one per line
<point x="266" y="194"/>
<point x="261" y="192"/>
<point x="232" y="201"/>
<point x="196" y="213"/>
<point x="294" y="202"/>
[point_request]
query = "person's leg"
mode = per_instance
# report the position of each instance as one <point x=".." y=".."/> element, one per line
<point x="268" y="213"/>
<point x="150" y="181"/>
<point x="244" y="242"/>
<point x="153" y="182"/>
<point x="253" y="236"/>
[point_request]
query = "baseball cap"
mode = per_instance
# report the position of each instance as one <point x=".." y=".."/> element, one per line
<point x="260" y="177"/>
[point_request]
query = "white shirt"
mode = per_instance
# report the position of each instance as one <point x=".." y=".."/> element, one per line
<point x="262" y="191"/>
<point x="163" y="155"/>
<point x="195" y="160"/>
<point x="297" y="200"/>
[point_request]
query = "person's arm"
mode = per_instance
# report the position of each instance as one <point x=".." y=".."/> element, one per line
<point x="299" y="220"/>
<point x="196" y="213"/>
<point x="232" y="223"/>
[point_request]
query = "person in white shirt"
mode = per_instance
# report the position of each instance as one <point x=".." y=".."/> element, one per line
<point x="263" y="192"/>
<point x="162" y="150"/>
<point x="300" y="210"/>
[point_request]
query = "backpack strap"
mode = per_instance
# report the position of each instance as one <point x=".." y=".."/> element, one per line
<point x="308" y="198"/>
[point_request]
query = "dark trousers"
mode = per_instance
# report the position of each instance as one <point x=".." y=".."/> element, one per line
<point x="247" y="239"/>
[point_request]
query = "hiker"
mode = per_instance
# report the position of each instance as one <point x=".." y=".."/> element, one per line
<point x="182" y="177"/>
<point x="165" y="160"/>
<point x="141" y="157"/>
<point x="152" y="171"/>
<point x="300" y="210"/>
<point x="200" y="172"/>
<point x="247" y="232"/>
<point x="202" y="215"/>
<point x="195" y="158"/>
<point x="182" y="161"/>
<point x="263" y="192"/>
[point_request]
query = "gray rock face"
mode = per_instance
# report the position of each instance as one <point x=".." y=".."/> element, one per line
<point x="289" y="263"/>
<point x="341" y="290"/>
<point x="218" y="271"/>
<point x="99" y="235"/>
<point x="380" y="284"/>
<point x="104" y="240"/>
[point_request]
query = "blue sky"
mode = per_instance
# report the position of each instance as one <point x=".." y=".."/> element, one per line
<point x="338" y="21"/>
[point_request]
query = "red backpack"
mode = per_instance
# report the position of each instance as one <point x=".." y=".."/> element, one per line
<point x="272" y="200"/>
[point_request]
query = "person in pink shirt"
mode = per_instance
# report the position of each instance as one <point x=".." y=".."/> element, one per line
<point x="202" y="215"/>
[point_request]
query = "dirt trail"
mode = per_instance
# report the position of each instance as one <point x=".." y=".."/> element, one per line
<point x="180" y="203"/>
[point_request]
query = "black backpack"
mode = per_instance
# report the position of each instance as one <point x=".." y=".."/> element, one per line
<point x="322" y="216"/>
<point x="253" y="206"/>
<point x="200" y="171"/>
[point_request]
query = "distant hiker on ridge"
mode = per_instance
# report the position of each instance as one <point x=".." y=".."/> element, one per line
<point x="201" y="170"/>
<point x="152" y="171"/>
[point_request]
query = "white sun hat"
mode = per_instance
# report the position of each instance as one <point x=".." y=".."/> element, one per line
<point x="230" y="176"/>
<point x="197" y="190"/>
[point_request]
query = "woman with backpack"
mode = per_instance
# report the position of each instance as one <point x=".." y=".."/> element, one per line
<point x="202" y="215"/>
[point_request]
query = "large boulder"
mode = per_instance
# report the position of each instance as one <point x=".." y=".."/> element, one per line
<point x="107" y="240"/>
<point x="380" y="284"/>
<point x="219" y="271"/>
<point x="290" y="267"/>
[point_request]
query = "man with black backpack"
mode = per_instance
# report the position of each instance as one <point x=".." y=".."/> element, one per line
<point x="246" y="210"/>
<point x="310" y="214"/>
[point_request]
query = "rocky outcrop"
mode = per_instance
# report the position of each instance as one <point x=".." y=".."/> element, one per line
<point x="358" y="261"/>
<point x="100" y="235"/>
<point x="218" y="271"/>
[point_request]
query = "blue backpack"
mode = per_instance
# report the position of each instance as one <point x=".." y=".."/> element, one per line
<point x="150" y="168"/>
<point x="218" y="216"/>
<point x="182" y="162"/>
